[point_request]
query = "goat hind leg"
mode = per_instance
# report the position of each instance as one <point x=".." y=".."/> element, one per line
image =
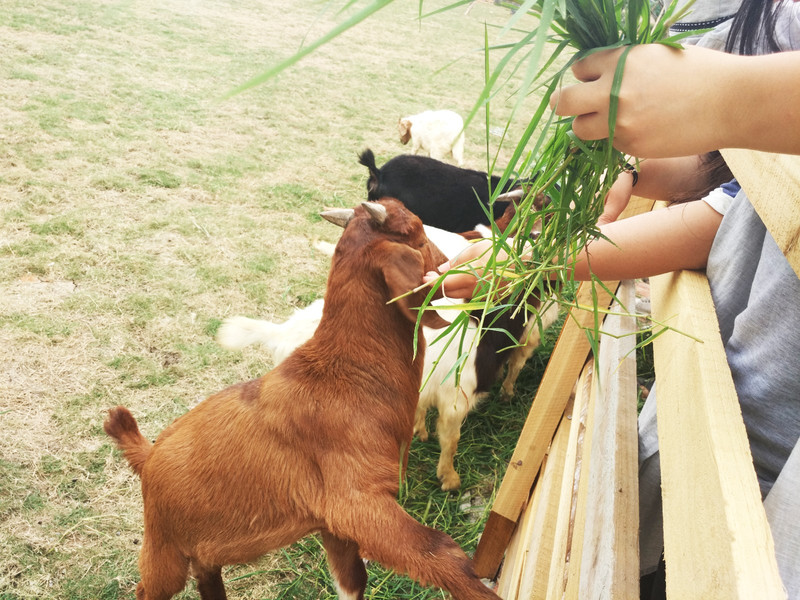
<point x="520" y="355"/>
<point x="164" y="571"/>
<point x="346" y="566"/>
<point x="458" y="150"/>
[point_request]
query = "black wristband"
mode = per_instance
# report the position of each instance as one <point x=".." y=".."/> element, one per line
<point x="629" y="168"/>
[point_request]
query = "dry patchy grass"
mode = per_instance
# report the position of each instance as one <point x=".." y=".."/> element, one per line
<point x="138" y="210"/>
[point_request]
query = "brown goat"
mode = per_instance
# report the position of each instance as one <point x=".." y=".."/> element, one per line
<point x="315" y="445"/>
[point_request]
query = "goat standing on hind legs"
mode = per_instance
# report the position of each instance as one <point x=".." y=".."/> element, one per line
<point x="315" y="445"/>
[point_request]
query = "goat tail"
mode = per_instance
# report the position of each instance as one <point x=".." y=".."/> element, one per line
<point x="278" y="339"/>
<point x="367" y="158"/>
<point x="121" y="426"/>
<point x="237" y="333"/>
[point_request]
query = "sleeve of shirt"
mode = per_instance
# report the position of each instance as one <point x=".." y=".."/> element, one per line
<point x="720" y="198"/>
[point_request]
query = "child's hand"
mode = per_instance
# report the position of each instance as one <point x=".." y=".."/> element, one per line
<point x="462" y="285"/>
<point x="617" y="198"/>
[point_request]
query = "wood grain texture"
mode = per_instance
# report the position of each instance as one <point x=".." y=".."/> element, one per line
<point x="537" y="432"/>
<point x="567" y="496"/>
<point x="559" y="378"/>
<point x="609" y="565"/>
<point x="772" y="184"/>
<point x="718" y="543"/>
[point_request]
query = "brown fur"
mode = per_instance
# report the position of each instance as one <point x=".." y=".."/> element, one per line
<point x="121" y="426"/>
<point x="404" y="127"/>
<point x="316" y="445"/>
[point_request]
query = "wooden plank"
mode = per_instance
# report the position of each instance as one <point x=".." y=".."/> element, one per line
<point x="718" y="543"/>
<point x="562" y="371"/>
<point x="574" y="554"/>
<point x="551" y="398"/>
<point x="491" y="549"/>
<point x="516" y="558"/>
<point x="566" y="499"/>
<point x="540" y="540"/>
<point x="609" y="565"/>
<point x="527" y="559"/>
<point x="772" y="184"/>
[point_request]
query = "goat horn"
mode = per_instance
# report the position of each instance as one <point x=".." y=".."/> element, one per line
<point x="338" y="216"/>
<point x="512" y="195"/>
<point x="376" y="211"/>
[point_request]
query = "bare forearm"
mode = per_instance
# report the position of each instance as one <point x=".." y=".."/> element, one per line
<point x="765" y="110"/>
<point x="678" y="237"/>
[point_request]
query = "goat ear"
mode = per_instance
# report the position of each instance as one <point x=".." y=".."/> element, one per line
<point x="403" y="269"/>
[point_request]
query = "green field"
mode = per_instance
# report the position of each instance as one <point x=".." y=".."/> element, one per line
<point x="138" y="210"/>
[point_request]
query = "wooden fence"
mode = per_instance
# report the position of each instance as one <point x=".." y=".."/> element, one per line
<point x="565" y="521"/>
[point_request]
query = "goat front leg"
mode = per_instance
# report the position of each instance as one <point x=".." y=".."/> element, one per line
<point x="209" y="582"/>
<point x="387" y="534"/>
<point x="532" y="336"/>
<point x="346" y="566"/>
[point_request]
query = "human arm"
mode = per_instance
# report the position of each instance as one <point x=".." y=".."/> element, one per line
<point x="677" y="237"/>
<point x="652" y="243"/>
<point x="656" y="179"/>
<point x="690" y="101"/>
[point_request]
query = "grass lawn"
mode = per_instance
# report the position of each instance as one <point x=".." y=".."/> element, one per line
<point x="138" y="210"/>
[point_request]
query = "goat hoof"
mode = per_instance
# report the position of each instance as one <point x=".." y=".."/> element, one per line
<point x="451" y="482"/>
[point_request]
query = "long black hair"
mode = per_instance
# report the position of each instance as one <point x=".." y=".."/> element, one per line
<point x="754" y="22"/>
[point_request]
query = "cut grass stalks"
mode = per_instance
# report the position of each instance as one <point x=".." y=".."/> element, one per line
<point x="574" y="174"/>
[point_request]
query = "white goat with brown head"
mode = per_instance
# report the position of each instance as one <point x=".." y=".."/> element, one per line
<point x="438" y="133"/>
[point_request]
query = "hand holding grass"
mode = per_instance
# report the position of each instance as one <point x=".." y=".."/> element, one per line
<point x="680" y="102"/>
<point x="474" y="258"/>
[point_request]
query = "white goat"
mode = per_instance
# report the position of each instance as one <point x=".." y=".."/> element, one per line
<point x="440" y="133"/>
<point x="452" y="401"/>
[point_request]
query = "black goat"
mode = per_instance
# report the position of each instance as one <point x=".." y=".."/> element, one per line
<point x="440" y="194"/>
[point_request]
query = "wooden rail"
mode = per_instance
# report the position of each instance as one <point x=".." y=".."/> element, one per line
<point x="565" y="520"/>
